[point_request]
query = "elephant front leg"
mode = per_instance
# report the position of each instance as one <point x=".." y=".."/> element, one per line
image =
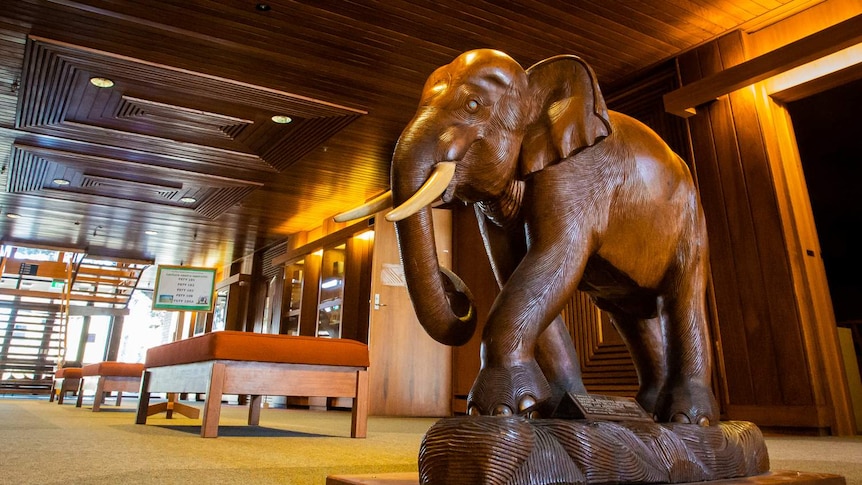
<point x="511" y="380"/>
<point x="503" y="390"/>
<point x="556" y="355"/>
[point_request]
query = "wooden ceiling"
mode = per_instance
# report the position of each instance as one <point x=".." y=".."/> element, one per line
<point x="183" y="144"/>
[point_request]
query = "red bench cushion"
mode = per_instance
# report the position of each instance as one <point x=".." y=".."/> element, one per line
<point x="257" y="347"/>
<point x="120" y="369"/>
<point x="68" y="372"/>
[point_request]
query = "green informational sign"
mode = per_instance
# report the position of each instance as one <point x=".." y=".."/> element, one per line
<point x="183" y="288"/>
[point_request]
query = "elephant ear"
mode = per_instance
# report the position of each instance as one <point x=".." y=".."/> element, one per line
<point x="572" y="113"/>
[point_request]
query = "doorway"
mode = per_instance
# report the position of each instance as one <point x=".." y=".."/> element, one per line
<point x="828" y="128"/>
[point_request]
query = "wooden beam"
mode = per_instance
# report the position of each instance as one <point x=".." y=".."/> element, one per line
<point x="329" y="239"/>
<point x="81" y="310"/>
<point x="683" y="101"/>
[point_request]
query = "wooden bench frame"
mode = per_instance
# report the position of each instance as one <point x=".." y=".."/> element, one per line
<point x="61" y="385"/>
<point x="106" y="384"/>
<point x="256" y="379"/>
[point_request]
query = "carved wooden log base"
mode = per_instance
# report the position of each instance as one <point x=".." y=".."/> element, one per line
<point x="518" y="451"/>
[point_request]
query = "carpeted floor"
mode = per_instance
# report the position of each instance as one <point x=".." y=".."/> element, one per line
<point x="41" y="442"/>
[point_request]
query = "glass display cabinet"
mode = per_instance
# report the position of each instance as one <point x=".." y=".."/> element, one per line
<point x="329" y="308"/>
<point x="294" y="276"/>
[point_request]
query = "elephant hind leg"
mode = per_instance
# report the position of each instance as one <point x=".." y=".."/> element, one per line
<point x="643" y="337"/>
<point x="687" y="395"/>
<point x="556" y="355"/>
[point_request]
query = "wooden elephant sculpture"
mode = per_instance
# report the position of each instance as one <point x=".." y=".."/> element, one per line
<point x="569" y="196"/>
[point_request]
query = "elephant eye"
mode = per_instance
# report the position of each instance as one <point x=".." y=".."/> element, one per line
<point x="472" y="105"/>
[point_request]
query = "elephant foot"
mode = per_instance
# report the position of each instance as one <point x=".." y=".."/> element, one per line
<point x="505" y="391"/>
<point x="689" y="402"/>
<point x="647" y="397"/>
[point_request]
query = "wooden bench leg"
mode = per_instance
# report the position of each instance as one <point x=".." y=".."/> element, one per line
<point x="254" y="410"/>
<point x="80" y="397"/>
<point x="212" y="405"/>
<point x="359" y="415"/>
<point x="172" y="401"/>
<point x="99" y="398"/>
<point x="143" y="399"/>
<point x="62" y="392"/>
<point x="53" y="389"/>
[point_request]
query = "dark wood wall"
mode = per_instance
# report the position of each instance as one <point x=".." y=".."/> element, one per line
<point x="357" y="289"/>
<point x="760" y="332"/>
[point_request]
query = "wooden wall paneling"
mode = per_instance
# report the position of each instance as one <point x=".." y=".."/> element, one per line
<point x="258" y="321"/>
<point x="237" y="300"/>
<point x="410" y="373"/>
<point x="707" y="169"/>
<point x="777" y="279"/>
<point x="759" y="322"/>
<point x="743" y="236"/>
<point x="357" y="289"/>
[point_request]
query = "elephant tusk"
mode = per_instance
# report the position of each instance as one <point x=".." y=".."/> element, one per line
<point x="428" y="193"/>
<point x="377" y="204"/>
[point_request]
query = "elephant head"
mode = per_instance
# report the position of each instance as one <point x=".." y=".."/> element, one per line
<point x="482" y="126"/>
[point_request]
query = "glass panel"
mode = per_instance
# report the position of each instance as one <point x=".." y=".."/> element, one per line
<point x="97" y="339"/>
<point x="220" y="315"/>
<point x="294" y="275"/>
<point x="331" y="292"/>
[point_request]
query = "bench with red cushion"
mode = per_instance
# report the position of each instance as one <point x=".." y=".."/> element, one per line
<point x="253" y="364"/>
<point x="66" y="379"/>
<point x="110" y="376"/>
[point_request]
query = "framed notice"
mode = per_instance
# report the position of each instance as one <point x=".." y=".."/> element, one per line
<point x="183" y="288"/>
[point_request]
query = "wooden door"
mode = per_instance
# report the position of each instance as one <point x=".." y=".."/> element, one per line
<point x="410" y="373"/>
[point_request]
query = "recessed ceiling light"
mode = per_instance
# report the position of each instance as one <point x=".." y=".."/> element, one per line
<point x="151" y="233"/>
<point x="282" y="119"/>
<point x="101" y="82"/>
<point x="61" y="182"/>
<point x="12" y="215"/>
<point x="262" y="7"/>
<point x="188" y="200"/>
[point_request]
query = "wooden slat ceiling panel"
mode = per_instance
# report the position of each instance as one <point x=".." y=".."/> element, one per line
<point x="196" y="83"/>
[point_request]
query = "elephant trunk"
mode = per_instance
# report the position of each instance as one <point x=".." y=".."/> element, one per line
<point x="441" y="300"/>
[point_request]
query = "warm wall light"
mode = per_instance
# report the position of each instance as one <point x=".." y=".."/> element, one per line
<point x="366" y="236"/>
<point x="281" y="119"/>
<point x="834" y="62"/>
<point x="61" y="182"/>
<point x="12" y="215"/>
<point x="101" y="82"/>
<point x="151" y="233"/>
